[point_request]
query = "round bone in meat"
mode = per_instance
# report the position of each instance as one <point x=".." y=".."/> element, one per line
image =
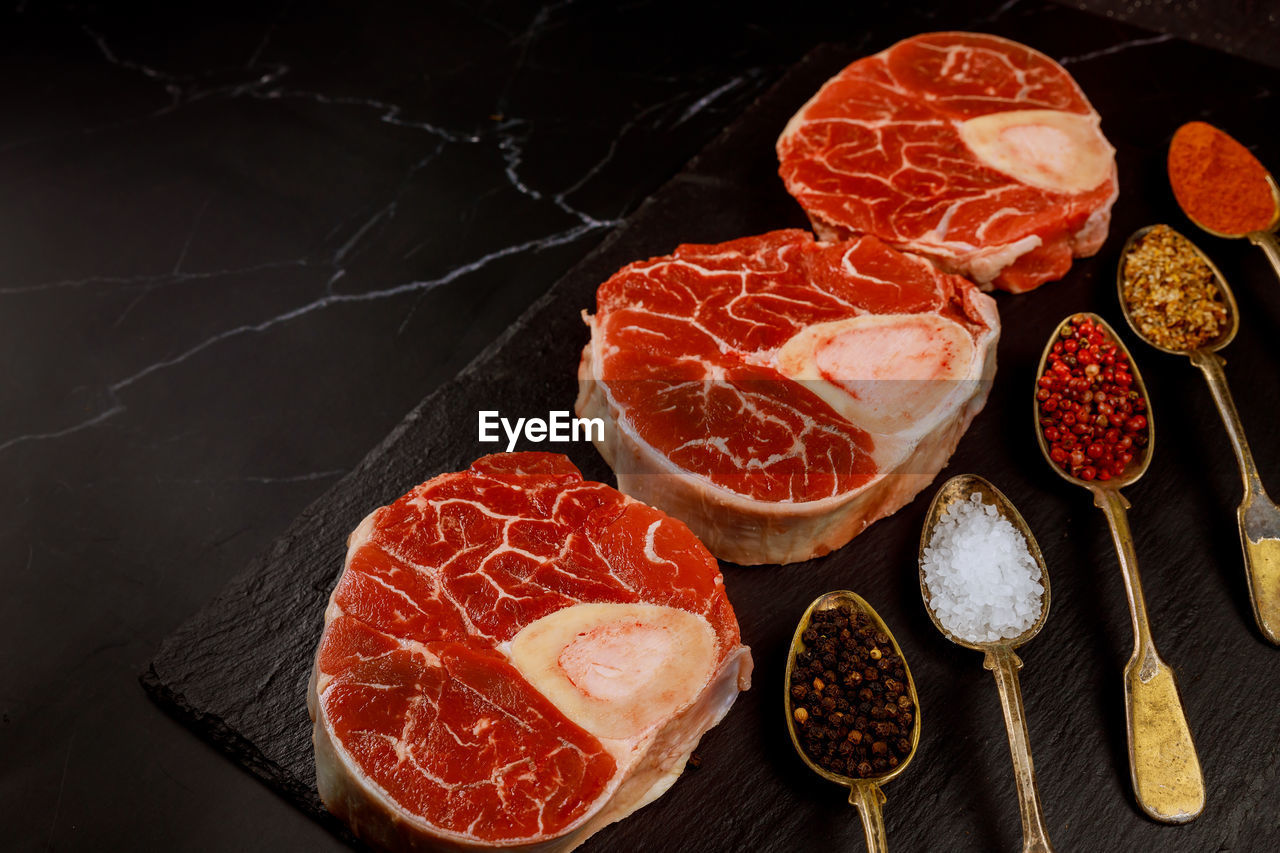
<point x="514" y="658"/>
<point x="972" y="150"/>
<point x="779" y="394"/>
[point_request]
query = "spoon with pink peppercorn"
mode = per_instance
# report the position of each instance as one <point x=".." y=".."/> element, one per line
<point x="1094" y="425"/>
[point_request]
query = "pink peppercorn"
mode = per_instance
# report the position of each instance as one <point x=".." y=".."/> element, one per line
<point x="1090" y="414"/>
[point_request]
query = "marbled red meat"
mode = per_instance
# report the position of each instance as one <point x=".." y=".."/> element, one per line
<point x="514" y="657"/>
<point x="779" y="394"/>
<point x="975" y="151"/>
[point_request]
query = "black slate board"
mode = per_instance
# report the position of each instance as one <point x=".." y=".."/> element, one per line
<point x="237" y="671"/>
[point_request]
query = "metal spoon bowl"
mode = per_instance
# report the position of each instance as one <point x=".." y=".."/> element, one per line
<point x="1000" y="657"/>
<point x="1258" y="517"/>
<point x="959" y="489"/>
<point x="1163" y="765"/>
<point x="1142" y="456"/>
<point x="864" y="794"/>
<point x="1228" y="332"/>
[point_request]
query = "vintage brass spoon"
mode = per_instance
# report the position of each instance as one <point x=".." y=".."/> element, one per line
<point x="1258" y="516"/>
<point x="1163" y="764"/>
<point x="864" y="794"/>
<point x="1264" y="239"/>
<point x="1000" y="657"/>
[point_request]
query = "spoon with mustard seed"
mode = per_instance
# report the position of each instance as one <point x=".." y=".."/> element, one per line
<point x="1158" y="257"/>
<point x="892" y="727"/>
<point x="1000" y="656"/>
<point x="1163" y="765"/>
<point x="1223" y="188"/>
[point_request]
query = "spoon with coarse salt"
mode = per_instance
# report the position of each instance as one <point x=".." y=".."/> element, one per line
<point x="985" y="587"/>
<point x="1084" y="350"/>
<point x="1223" y="188"/>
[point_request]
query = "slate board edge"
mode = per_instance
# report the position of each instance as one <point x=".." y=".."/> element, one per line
<point x="213" y="729"/>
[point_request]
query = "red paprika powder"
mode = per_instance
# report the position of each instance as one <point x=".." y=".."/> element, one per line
<point x="1218" y="183"/>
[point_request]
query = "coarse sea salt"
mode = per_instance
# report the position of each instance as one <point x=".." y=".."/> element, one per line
<point x="983" y="583"/>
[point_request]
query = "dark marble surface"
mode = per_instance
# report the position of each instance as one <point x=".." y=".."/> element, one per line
<point x="1244" y="27"/>
<point x="239" y="244"/>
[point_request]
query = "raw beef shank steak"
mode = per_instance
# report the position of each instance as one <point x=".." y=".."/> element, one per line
<point x="779" y="394"/>
<point x="514" y="658"/>
<point x="972" y="150"/>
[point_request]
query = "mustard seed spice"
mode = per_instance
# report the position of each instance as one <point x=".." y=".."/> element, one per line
<point x="852" y="710"/>
<point x="1171" y="292"/>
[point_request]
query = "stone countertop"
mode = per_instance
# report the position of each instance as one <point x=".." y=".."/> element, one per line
<point x="240" y="243"/>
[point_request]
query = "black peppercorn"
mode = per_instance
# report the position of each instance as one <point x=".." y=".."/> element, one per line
<point x="850" y="685"/>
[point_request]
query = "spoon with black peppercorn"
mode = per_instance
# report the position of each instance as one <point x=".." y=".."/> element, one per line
<point x="1257" y="515"/>
<point x="891" y="748"/>
<point x="1163" y="765"/>
<point x="958" y="493"/>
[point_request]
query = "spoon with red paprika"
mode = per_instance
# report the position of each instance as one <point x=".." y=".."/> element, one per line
<point x="1176" y="258"/>
<point x="1223" y="188"/>
<point x="1104" y="446"/>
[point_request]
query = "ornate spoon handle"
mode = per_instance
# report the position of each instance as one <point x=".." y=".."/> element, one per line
<point x="1163" y="764"/>
<point x="1004" y="664"/>
<point x="868" y="799"/>
<point x="1258" y="516"/>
